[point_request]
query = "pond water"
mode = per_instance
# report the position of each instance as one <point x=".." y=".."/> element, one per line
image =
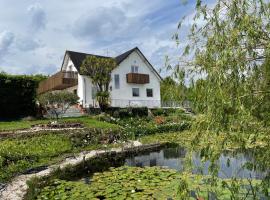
<point x="121" y="180"/>
<point x="230" y="164"/>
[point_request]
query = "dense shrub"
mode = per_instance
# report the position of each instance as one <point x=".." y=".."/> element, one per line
<point x="137" y="128"/>
<point x="93" y="111"/>
<point x="18" y="95"/>
<point x="127" y="112"/>
<point x="166" y="111"/>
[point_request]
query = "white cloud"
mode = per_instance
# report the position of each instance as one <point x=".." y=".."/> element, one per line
<point x="41" y="31"/>
<point x="27" y="44"/>
<point x="37" y="17"/>
<point x="6" y="40"/>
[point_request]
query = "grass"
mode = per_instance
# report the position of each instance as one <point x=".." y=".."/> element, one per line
<point x="19" y="154"/>
<point x="24" y="124"/>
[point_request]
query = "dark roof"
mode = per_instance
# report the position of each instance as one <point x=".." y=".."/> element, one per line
<point x="123" y="56"/>
<point x="78" y="57"/>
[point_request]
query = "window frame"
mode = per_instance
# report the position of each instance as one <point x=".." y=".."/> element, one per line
<point x="134" y="93"/>
<point x="151" y="92"/>
<point x="115" y="85"/>
<point x="134" y="69"/>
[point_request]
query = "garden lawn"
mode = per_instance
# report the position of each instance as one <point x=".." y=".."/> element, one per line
<point x="24" y="124"/>
<point x="20" y="154"/>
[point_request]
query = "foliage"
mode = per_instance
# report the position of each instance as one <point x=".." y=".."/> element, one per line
<point x="57" y="103"/>
<point x="21" y="154"/>
<point x="18" y="95"/>
<point x="149" y="183"/>
<point x="230" y="44"/>
<point x="167" y="111"/>
<point x="17" y="155"/>
<point x="137" y="127"/>
<point x="99" y="70"/>
<point x="118" y="183"/>
<point x="117" y="112"/>
<point x="172" y="91"/>
<point x="86" y="121"/>
<point x="159" y="120"/>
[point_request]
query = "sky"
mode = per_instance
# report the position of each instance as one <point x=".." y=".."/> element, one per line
<point x="34" y="34"/>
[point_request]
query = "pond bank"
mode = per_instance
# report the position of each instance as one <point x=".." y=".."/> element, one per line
<point x="17" y="188"/>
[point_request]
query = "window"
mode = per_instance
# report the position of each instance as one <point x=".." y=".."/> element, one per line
<point x="94" y="92"/>
<point x="75" y="91"/>
<point x="149" y="92"/>
<point x="134" y="69"/>
<point x="135" y="92"/>
<point x="116" y="81"/>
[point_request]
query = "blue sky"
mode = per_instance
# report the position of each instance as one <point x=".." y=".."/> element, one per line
<point x="34" y="34"/>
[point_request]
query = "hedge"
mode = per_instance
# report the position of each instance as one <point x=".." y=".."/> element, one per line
<point x="121" y="112"/>
<point x="18" y="95"/>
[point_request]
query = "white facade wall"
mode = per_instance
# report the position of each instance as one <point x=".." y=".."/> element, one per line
<point x="121" y="97"/>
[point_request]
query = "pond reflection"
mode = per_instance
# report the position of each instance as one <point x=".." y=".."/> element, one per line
<point x="229" y="164"/>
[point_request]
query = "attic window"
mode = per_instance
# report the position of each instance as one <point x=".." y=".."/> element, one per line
<point x="134" y="69"/>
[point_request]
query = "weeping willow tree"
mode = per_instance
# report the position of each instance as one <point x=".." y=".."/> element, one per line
<point x="173" y="89"/>
<point x="230" y="46"/>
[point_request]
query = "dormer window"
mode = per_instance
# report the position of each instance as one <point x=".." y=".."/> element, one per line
<point x="134" y="69"/>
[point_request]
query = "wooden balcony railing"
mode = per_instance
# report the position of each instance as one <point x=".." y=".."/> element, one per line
<point x="58" y="81"/>
<point x="137" y="78"/>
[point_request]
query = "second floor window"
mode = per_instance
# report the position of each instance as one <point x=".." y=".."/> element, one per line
<point x="134" y="69"/>
<point x="116" y="81"/>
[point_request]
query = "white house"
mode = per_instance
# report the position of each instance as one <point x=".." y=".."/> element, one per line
<point x="134" y="82"/>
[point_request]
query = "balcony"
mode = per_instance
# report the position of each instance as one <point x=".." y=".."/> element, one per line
<point x="137" y="78"/>
<point x="58" y="81"/>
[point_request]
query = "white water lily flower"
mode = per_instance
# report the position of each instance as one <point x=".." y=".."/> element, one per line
<point x="132" y="191"/>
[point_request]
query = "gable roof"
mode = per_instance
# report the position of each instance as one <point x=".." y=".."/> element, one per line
<point x="78" y="57"/>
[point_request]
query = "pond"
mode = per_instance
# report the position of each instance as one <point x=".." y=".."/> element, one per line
<point x="154" y="174"/>
<point x="230" y="164"/>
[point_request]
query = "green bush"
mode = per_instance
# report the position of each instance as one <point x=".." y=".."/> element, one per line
<point x="18" y="95"/>
<point x="127" y="112"/>
<point x="142" y="130"/>
<point x="139" y="112"/>
<point x="167" y="111"/>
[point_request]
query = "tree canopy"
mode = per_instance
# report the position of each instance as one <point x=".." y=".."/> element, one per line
<point x="99" y="70"/>
<point x="57" y="103"/>
<point x="230" y="44"/>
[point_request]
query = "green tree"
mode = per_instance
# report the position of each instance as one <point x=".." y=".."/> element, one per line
<point x="57" y="103"/>
<point x="230" y="44"/>
<point x="99" y="71"/>
<point x="172" y="91"/>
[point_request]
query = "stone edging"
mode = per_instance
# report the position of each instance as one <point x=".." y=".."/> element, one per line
<point x="17" y="188"/>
